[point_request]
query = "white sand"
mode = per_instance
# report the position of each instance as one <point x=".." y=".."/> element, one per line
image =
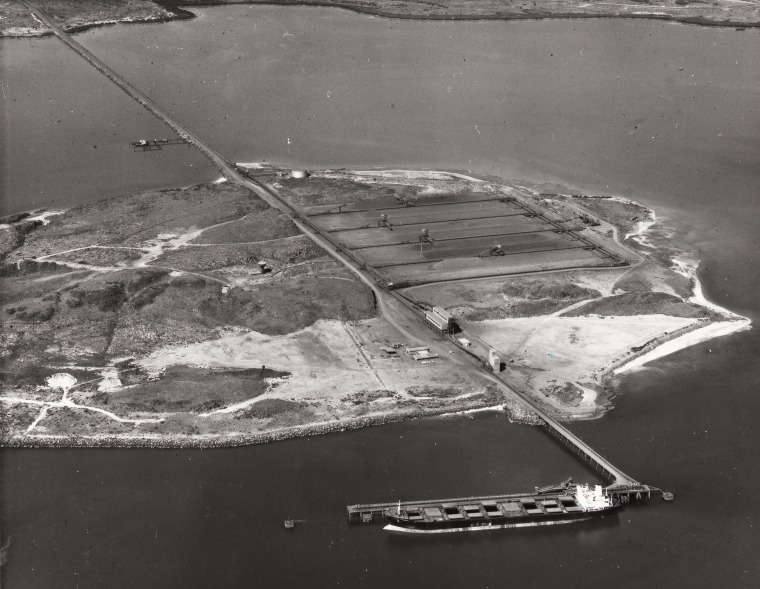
<point x="111" y="381"/>
<point x="571" y="348"/>
<point x="686" y="266"/>
<point x="639" y="234"/>
<point x="689" y="339"/>
<point x="61" y="380"/>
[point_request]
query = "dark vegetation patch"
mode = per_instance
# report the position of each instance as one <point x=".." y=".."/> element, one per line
<point x="14" y="237"/>
<point x="546" y="289"/>
<point x="214" y="257"/>
<point x="33" y="269"/>
<point x="129" y="220"/>
<point x="108" y="298"/>
<point x="72" y="421"/>
<point x="363" y="397"/>
<point x="269" y="408"/>
<point x="189" y="308"/>
<point x="436" y="392"/>
<point x="50" y="315"/>
<point x="10" y="239"/>
<point x="15" y="418"/>
<point x="318" y="191"/>
<point x="13" y="218"/>
<point x="567" y="394"/>
<point x="645" y="277"/>
<point x="529" y="298"/>
<point x="257" y="226"/>
<point x="442" y="398"/>
<point x="99" y="256"/>
<point x="644" y="303"/>
<point x="623" y="215"/>
<point x="30" y="375"/>
<point x="186" y="388"/>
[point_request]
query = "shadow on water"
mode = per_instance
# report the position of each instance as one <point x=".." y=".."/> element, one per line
<point x="588" y="529"/>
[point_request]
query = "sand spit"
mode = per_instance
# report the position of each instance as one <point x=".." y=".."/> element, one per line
<point x="698" y="336"/>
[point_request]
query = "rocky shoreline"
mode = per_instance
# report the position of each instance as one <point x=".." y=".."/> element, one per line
<point x="176" y="441"/>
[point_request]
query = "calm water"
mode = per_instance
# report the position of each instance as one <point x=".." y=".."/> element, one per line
<point x="66" y="132"/>
<point x="596" y="104"/>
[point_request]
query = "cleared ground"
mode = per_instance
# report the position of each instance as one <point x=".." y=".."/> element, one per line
<point x="552" y="356"/>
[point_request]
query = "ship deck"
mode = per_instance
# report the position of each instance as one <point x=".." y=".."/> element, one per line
<point x="467" y="509"/>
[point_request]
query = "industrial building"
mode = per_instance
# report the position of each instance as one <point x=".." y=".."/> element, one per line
<point x="494" y="360"/>
<point x="440" y="319"/>
<point x="421" y="353"/>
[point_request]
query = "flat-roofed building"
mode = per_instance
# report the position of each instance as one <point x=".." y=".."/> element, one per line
<point x="439" y="318"/>
<point x="415" y="350"/>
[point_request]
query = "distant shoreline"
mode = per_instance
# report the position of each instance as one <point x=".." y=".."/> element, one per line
<point x="181" y="12"/>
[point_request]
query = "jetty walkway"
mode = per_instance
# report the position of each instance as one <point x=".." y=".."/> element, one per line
<point x="619" y="480"/>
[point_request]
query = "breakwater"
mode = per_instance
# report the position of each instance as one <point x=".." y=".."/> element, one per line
<point x="176" y="441"/>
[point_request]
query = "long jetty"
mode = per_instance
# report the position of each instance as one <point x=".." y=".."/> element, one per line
<point x="621" y="484"/>
<point x="619" y="480"/>
<point x="221" y="164"/>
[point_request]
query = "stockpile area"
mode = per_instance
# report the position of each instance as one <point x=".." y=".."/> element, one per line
<point x="444" y="236"/>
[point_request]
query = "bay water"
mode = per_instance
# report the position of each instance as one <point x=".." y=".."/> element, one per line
<point x="666" y="114"/>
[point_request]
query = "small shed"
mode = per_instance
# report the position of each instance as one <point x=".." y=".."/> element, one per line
<point x="416" y="350"/>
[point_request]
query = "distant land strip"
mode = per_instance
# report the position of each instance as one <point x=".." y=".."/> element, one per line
<point x="727" y="13"/>
<point x="86" y="14"/>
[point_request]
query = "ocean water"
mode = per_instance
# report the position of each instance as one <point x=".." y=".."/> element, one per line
<point x="601" y="105"/>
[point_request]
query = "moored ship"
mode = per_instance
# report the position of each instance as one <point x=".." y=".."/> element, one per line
<point x="575" y="503"/>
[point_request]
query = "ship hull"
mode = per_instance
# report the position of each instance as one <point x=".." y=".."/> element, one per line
<point x="447" y="527"/>
<point x="483" y="528"/>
